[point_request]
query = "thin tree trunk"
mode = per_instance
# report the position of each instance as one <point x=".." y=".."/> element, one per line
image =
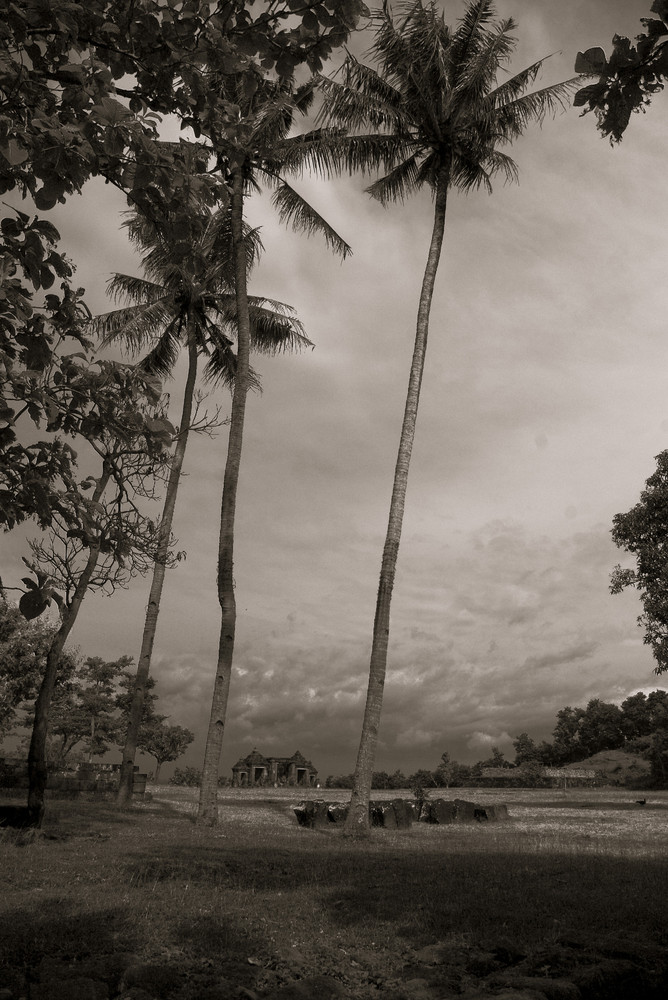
<point x="156" y="776"/>
<point x="124" y="794"/>
<point x="37" y="766"/>
<point x="357" y="822"/>
<point x="208" y="799"/>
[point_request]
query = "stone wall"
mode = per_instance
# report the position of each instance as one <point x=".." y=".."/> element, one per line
<point x="85" y="777"/>
<point x="399" y="814"/>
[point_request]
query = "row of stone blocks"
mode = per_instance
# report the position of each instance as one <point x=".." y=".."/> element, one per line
<point x="399" y="814"/>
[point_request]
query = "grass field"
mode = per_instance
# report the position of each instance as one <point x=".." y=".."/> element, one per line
<point x="572" y="891"/>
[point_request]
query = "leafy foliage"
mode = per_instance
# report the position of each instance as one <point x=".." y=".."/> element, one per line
<point x="191" y="777"/>
<point x="643" y="531"/>
<point x="23" y="649"/>
<point x="163" y="742"/>
<point x="629" y="79"/>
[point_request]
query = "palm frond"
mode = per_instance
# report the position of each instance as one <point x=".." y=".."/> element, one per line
<point x="221" y="367"/>
<point x="135" y="327"/>
<point x="273" y="119"/>
<point x="470" y="173"/>
<point x="472" y="31"/>
<point x="517" y="85"/>
<point x="139" y="290"/>
<point x="363" y="98"/>
<point x="391" y="48"/>
<point x="513" y="118"/>
<point x="293" y="210"/>
<point x="398" y="184"/>
<point x="162" y="358"/>
<point x="474" y="77"/>
<point x="272" y="333"/>
<point x="218" y="250"/>
<point x="331" y="151"/>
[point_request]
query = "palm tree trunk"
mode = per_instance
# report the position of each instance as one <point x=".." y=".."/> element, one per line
<point x="357" y="822"/>
<point x="124" y="794"/>
<point x="208" y="799"/>
<point x="37" y="766"/>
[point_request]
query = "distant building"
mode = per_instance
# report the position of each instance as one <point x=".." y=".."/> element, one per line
<point x="258" y="770"/>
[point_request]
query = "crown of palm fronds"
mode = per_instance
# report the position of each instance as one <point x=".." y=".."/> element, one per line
<point x="434" y="94"/>
<point x="189" y="296"/>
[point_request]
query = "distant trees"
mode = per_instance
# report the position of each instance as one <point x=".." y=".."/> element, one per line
<point x="165" y="743"/>
<point x="89" y="709"/>
<point x="639" y="725"/>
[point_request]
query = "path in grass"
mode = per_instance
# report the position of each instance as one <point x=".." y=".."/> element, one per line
<point x="571" y="884"/>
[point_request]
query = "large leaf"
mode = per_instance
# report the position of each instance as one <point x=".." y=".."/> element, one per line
<point x="32" y="604"/>
<point x="591" y="62"/>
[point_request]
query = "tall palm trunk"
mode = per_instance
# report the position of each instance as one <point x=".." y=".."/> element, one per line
<point x="208" y="799"/>
<point x="153" y="610"/>
<point x="37" y="765"/>
<point x="357" y="822"/>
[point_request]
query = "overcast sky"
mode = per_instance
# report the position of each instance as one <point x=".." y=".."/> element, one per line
<point x="544" y="404"/>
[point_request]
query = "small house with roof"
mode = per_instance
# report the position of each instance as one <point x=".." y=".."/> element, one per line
<point x="255" y="769"/>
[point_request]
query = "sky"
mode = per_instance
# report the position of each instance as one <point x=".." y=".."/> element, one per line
<point x="543" y="406"/>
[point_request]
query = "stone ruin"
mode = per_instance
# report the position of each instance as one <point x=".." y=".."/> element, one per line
<point x="399" y="814"/>
<point x="83" y="777"/>
<point x="255" y="770"/>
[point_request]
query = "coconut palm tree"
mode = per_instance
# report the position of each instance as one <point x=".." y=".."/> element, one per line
<point x="436" y="92"/>
<point x="186" y="300"/>
<point x="258" y="148"/>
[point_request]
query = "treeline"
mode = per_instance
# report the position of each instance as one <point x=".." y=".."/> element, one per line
<point x="639" y="726"/>
<point x="91" y="700"/>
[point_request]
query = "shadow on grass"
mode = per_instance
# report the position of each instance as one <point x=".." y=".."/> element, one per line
<point x="426" y="897"/>
<point x="45" y="950"/>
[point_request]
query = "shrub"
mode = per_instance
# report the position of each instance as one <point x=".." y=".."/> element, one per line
<point x="190" y="776"/>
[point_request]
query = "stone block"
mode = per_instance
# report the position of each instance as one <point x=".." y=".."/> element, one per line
<point x="376" y="813"/>
<point x="313" y="815"/>
<point x="493" y="813"/>
<point x="423" y="810"/>
<point x="388" y="816"/>
<point x="403" y="813"/>
<point x="443" y="811"/>
<point x="464" y="811"/>
<point x="337" y="812"/>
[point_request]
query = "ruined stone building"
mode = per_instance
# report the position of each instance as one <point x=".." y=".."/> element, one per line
<point x="258" y="770"/>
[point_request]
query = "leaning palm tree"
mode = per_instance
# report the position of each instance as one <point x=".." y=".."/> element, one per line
<point x="184" y="299"/>
<point x="435" y="91"/>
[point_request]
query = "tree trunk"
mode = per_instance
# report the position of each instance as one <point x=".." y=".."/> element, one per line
<point x="124" y="795"/>
<point x="357" y="822"/>
<point x="156" y="776"/>
<point x="208" y="799"/>
<point x="37" y="765"/>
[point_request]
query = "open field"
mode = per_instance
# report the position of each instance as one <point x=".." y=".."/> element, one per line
<point x="570" y="896"/>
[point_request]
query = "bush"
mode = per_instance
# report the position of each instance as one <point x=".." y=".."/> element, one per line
<point x="189" y="776"/>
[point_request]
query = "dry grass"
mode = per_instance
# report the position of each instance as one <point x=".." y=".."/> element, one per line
<point x="258" y="901"/>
